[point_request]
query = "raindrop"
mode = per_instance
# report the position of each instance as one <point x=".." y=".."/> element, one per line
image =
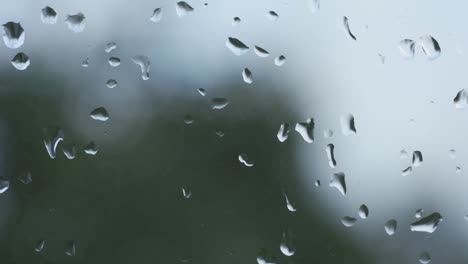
<point x="144" y="64"/>
<point x="348" y="221"/>
<point x="4" y="185"/>
<point x="424" y="257"/>
<point x="317" y="183"/>
<point x="70" y="248"/>
<point x="25" y="177"/>
<point x="430" y="47"/>
<point x="427" y="224"/>
<point x="272" y="15"/>
<point x="265" y="257"/>
<point x="403" y="154"/>
<point x="417" y="158"/>
<point x="330" y="150"/>
<point x="219" y="133"/>
<point x="328" y="133"/>
<point x="407" y="171"/>
<point x="157" y="15"/>
<point x="289" y="205"/>
<point x="111" y="83"/>
<point x="188" y="119"/>
<point x="453" y="153"/>
<point x="201" y="91"/>
<point x="48" y="15"/>
<point x="236" y="46"/>
<point x="186" y="193"/>
<point x="219" y="103"/>
<point x="283" y="132"/>
<point x="39" y="246"/>
<point x="76" y="22"/>
<point x="99" y="114"/>
<point x="347" y="125"/>
<point x="280" y="60"/>
<point x="236" y="21"/>
<point x="382" y="58"/>
<point x="20" y="61"/>
<point x="52" y="137"/>
<point x="306" y="130"/>
<point x="85" y="63"/>
<point x="461" y="99"/>
<point x="338" y="181"/>
<point x="114" y="61"/>
<point x="457" y="169"/>
<point x="244" y="159"/>
<point x="407" y="48"/>
<point x="363" y="211"/>
<point x="287" y="244"/>
<point x="390" y="227"/>
<point x="261" y="52"/>
<point x="347" y="29"/>
<point x="183" y="9"/>
<point x="69" y="150"/>
<point x="419" y="213"/>
<point x="466" y="217"/>
<point x="110" y="46"/>
<point x="91" y="148"/>
<point x="313" y="5"/>
<point x="247" y="75"/>
<point x="13" y="35"/>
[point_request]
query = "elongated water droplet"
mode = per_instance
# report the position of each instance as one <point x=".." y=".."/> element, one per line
<point x="85" y="63"/>
<point x="4" y="185"/>
<point x="280" y="60"/>
<point x="48" y="15"/>
<point x="407" y="171"/>
<point x="317" y="183"/>
<point x="235" y="21"/>
<point x="306" y="130"/>
<point x="283" y="132"/>
<point x="25" y="177"/>
<point x="461" y="99"/>
<point x="430" y="47"/>
<point x="289" y="205"/>
<point x="427" y="224"/>
<point x="390" y="227"/>
<point x="219" y="103"/>
<point x="99" y="114"/>
<point x="114" y="61"/>
<point x="70" y="248"/>
<point x="20" y="61"/>
<point x="183" y="9"/>
<point x="52" y="137"/>
<point x="69" y="150"/>
<point x="419" y="213"/>
<point x="111" y="83"/>
<point x="287" y="246"/>
<point x="247" y="76"/>
<point x="424" y="258"/>
<point x="39" y="246"/>
<point x="201" y="91"/>
<point x="236" y="46"/>
<point x="313" y="5"/>
<point x="261" y="52"/>
<point x="347" y="125"/>
<point x="110" y="46"/>
<point x="348" y="221"/>
<point x="186" y="193"/>
<point x="76" y="23"/>
<point x="347" y="29"/>
<point x="407" y="48"/>
<point x="144" y="64"/>
<point x="244" y="159"/>
<point x="417" y="158"/>
<point x="13" y="35"/>
<point x="338" y="182"/>
<point x="157" y="15"/>
<point x="330" y="150"/>
<point x="188" y="119"/>
<point x="265" y="257"/>
<point x="363" y="211"/>
<point x="91" y="148"/>
<point x="272" y="15"/>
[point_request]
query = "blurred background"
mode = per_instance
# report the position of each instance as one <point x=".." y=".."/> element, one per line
<point x="162" y="190"/>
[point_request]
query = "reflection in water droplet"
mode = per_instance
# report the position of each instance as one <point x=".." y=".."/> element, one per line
<point x="111" y="83"/>
<point x="25" y="177"/>
<point x="247" y="75"/>
<point x="289" y="205"/>
<point x="48" y="15"/>
<point x="236" y="21"/>
<point x="20" y="61"/>
<point x="157" y="15"/>
<point x="427" y="224"/>
<point x="390" y="227"/>
<point x="419" y="213"/>
<point x="272" y="15"/>
<point x="313" y="5"/>
<point x="186" y="193"/>
<point x="417" y="158"/>
<point x="461" y="99"/>
<point x="407" y="48"/>
<point x="114" y="61"/>
<point x="306" y="130"/>
<point x="363" y="211"/>
<point x="188" y="119"/>
<point x="13" y="35"/>
<point x="424" y="257"/>
<point x="347" y="29"/>
<point x="236" y="46"/>
<point x="39" y="246"/>
<point x="283" y="132"/>
<point x="144" y="64"/>
<point x="52" y="137"/>
<point x="244" y="159"/>
<point x="183" y="9"/>
<point x="91" y="148"/>
<point x="261" y="52"/>
<point x="430" y="47"/>
<point x="330" y="150"/>
<point x="265" y="257"/>
<point x="110" y="46"/>
<point x="280" y="60"/>
<point x="347" y="125"/>
<point x="4" y="185"/>
<point x="70" y="248"/>
<point x="348" y="221"/>
<point x="407" y="171"/>
<point x="76" y="23"/>
<point x="338" y="181"/>
<point x="69" y="150"/>
<point x="99" y="114"/>
<point x="287" y="246"/>
<point x="85" y="63"/>
<point x="219" y="103"/>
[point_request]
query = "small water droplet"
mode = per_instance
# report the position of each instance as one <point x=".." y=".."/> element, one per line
<point x="144" y="64"/>
<point x="183" y="9"/>
<point x="69" y="150"/>
<point x="76" y="23"/>
<point x="419" y="213"/>
<point x="272" y="15"/>
<point x="466" y="217"/>
<point x="390" y="227"/>
<point x="347" y="29"/>
<point x="247" y="76"/>
<point x="25" y="177"/>
<point x="110" y="47"/>
<point x="13" y="35"/>
<point x="287" y="246"/>
<point x="39" y="245"/>
<point x="188" y="119"/>
<point x="219" y="133"/>
<point x="313" y="5"/>
<point x="407" y="48"/>
<point x="430" y="47"/>
<point x="265" y="257"/>
<point x="306" y="130"/>
<point x="91" y="148"/>
<point x="261" y="52"/>
<point x="427" y="224"/>
<point x="338" y="182"/>
<point x="457" y="169"/>
<point x="317" y="183"/>
<point x="289" y="205"/>
<point x="417" y="158"/>
<point x="424" y="257"/>
<point x="328" y="133"/>
<point x="111" y="83"/>
<point x="407" y="171"/>
<point x="403" y="154"/>
<point x="4" y="185"/>
<point x="70" y="248"/>
<point x="461" y="99"/>
<point x="157" y="15"/>
<point x="20" y="61"/>
<point x="330" y="150"/>
<point x="52" y="137"/>
<point x="236" y="21"/>
<point x="363" y="211"/>
<point x="348" y="126"/>
<point x="283" y="132"/>
<point x="114" y="61"/>
<point x="201" y="91"/>
<point x="244" y="159"/>
<point x="236" y="46"/>
<point x="280" y="60"/>
<point x="452" y="153"/>
<point x="85" y="63"/>
<point x="348" y="221"/>
<point x="382" y="58"/>
<point x="48" y="15"/>
<point x="219" y="103"/>
<point x="99" y="114"/>
<point x="186" y="193"/>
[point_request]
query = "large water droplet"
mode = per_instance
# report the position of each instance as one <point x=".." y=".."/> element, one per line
<point x="114" y="61"/>
<point x="183" y="9"/>
<point x="76" y="23"/>
<point x="306" y="130"/>
<point x="430" y="47"/>
<point x="283" y="132"/>
<point x="424" y="258"/>
<point x="52" y="137"/>
<point x="417" y="158"/>
<point x="407" y="48"/>
<point x="348" y="221"/>
<point x="407" y="171"/>
<point x="110" y="46"/>
<point x="219" y="103"/>
<point x="363" y="211"/>
<point x="91" y="148"/>
<point x="265" y="257"/>
<point x="347" y="29"/>
<point x="4" y="185"/>
<point x="236" y="46"/>
<point x="20" y="61"/>
<point x="144" y="64"/>
<point x="261" y="52"/>
<point x="244" y="159"/>
<point x="427" y="224"/>
<point x="25" y="177"/>
<point x="287" y="246"/>
<point x="338" y="181"/>
<point x="390" y="227"/>
<point x="39" y="246"/>
<point x="280" y="60"/>
<point x="272" y="15"/>
<point x="247" y="76"/>
<point x="461" y="99"/>
<point x="99" y="114"/>
<point x="186" y="193"/>
<point x="70" y="248"/>
<point x="48" y="15"/>
<point x="313" y="5"/>
<point x="236" y="21"/>
<point x="157" y="15"/>
<point x="13" y="35"/>
<point x="330" y="150"/>
<point x="111" y="83"/>
<point x="347" y="125"/>
<point x="69" y="150"/>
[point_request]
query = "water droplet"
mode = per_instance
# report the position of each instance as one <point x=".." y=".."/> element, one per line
<point x="317" y="183"/>
<point x="25" y="177"/>
<point x="407" y="48"/>
<point x="110" y="46"/>
<point x="48" y="15"/>
<point x="99" y="114"/>
<point x="427" y="224"/>
<point x="236" y="21"/>
<point x="328" y="133"/>
<point x="157" y="15"/>
<point x="261" y="52"/>
<point x="39" y="246"/>
<point x="347" y="125"/>
<point x="20" y="61"/>
<point x="382" y="58"/>
<point x="419" y="213"/>
<point x="70" y="248"/>
<point x="403" y="154"/>
<point x="244" y="159"/>
<point x="466" y="217"/>
<point x="347" y="29"/>
<point x="417" y="158"/>
<point x="330" y="150"/>
<point x="13" y="35"/>
<point x="186" y="193"/>
<point x="201" y="91"/>
<point x="348" y="221"/>
<point x="183" y="9"/>
<point x="306" y="130"/>
<point x="272" y="15"/>
<point x="52" y="137"/>
<point x="390" y="227"/>
<point x="144" y="64"/>
<point x="289" y="205"/>
<point x="407" y="171"/>
<point x="114" y="61"/>
<point x="4" y="185"/>
<point x="430" y="47"/>
<point x="236" y="46"/>
<point x="219" y="133"/>
<point x="91" y="148"/>
<point x="111" y="83"/>
<point x="219" y="103"/>
<point x="85" y="63"/>
<point x="265" y="257"/>
<point x="247" y="76"/>
<point x="338" y="181"/>
<point x="363" y="211"/>
<point x="76" y="22"/>
<point x="287" y="244"/>
<point x="453" y="153"/>
<point x="461" y="99"/>
<point x="283" y="132"/>
<point x="424" y="258"/>
<point x="188" y="119"/>
<point x="313" y="5"/>
<point x="69" y="150"/>
<point x="280" y="60"/>
<point x="457" y="169"/>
